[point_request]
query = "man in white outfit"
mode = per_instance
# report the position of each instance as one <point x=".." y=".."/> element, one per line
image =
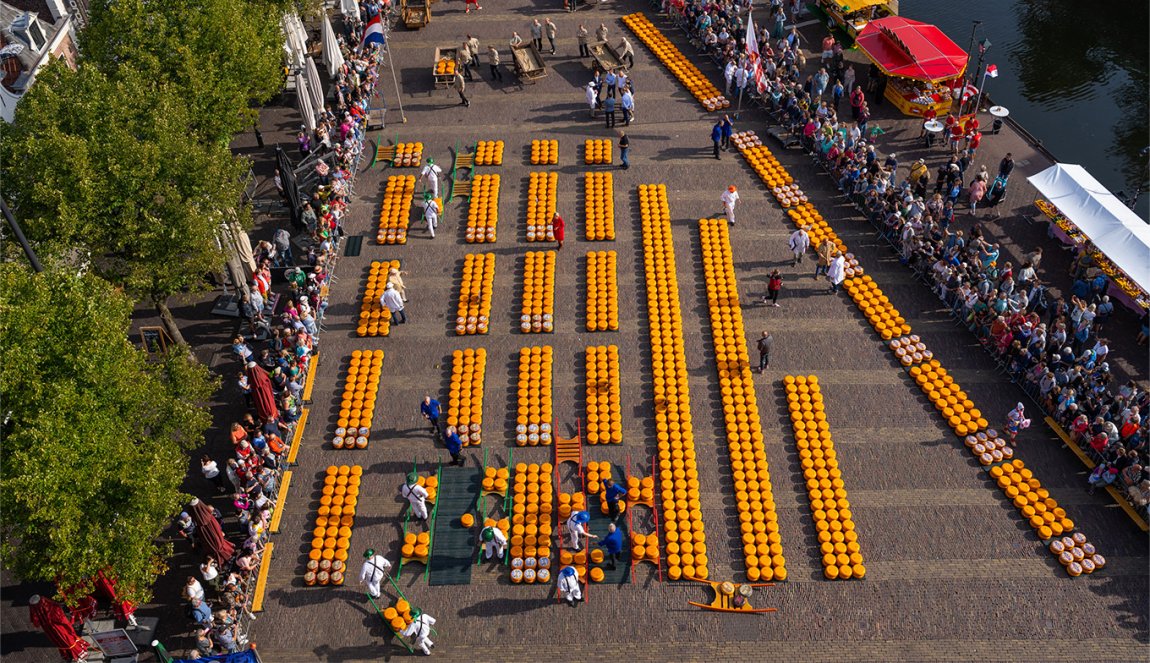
<point x="837" y="271"/>
<point x="374" y="572"/>
<point x="393" y="301"/>
<point x="577" y="531"/>
<point x="494" y="542"/>
<point x="431" y="214"/>
<point x="799" y="242"/>
<point x="419" y="630"/>
<point x="569" y="587"/>
<point x="416" y="496"/>
<point x="729" y="198"/>
<point x="429" y="177"/>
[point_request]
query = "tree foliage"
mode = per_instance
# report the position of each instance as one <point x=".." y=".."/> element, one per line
<point x="110" y="166"/>
<point x="95" y="436"/>
<point x="223" y="56"/>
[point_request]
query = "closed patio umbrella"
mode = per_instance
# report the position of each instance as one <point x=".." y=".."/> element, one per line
<point x="210" y="532"/>
<point x="48" y="616"/>
<point x="262" y="395"/>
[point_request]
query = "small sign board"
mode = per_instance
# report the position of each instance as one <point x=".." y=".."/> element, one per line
<point x="115" y="643"/>
<point x="155" y="340"/>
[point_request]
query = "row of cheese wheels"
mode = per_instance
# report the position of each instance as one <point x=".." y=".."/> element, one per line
<point x="395" y="212"/>
<point x="537" y="314"/>
<point x="483" y="212"/>
<point x="474" y="310"/>
<point x="754" y="499"/>
<point x="682" y="512"/>
<point x="331" y="537"/>
<point x="535" y="412"/>
<point x="357" y="406"/>
<point x="602" y="291"/>
<point x="598" y="206"/>
<point x="604" y="416"/>
<point x="688" y="74"/>
<point x="465" y="395"/>
<point x="838" y="541"/>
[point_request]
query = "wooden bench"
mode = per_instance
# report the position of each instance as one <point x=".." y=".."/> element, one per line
<point x="297" y="436"/>
<point x="1115" y="494"/>
<point x="281" y="502"/>
<point x="262" y="579"/>
<point x="309" y="384"/>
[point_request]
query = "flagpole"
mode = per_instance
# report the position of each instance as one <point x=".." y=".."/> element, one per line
<point x="981" y="87"/>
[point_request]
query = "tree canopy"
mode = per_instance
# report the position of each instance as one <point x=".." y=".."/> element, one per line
<point x="109" y="166"/>
<point x="95" y="436"/>
<point x="222" y="56"/>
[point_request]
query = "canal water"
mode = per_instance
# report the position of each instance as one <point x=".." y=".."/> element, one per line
<point x="1073" y="73"/>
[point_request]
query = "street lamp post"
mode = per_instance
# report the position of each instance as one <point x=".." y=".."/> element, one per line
<point x="967" y="77"/>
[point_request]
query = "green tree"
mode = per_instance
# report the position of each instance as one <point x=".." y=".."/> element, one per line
<point x="107" y="168"/>
<point x="223" y="56"/>
<point x="95" y="436"/>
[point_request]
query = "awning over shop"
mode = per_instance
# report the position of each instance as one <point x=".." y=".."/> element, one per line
<point x="902" y="47"/>
<point x="1112" y="226"/>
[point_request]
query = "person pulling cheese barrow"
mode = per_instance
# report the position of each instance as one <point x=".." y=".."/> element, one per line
<point x="494" y="542"/>
<point x="416" y="496"/>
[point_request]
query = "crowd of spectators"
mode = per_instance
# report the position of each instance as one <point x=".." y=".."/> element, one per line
<point x="281" y="336"/>
<point x="1054" y="347"/>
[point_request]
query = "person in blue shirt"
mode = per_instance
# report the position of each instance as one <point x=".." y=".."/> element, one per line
<point x="612" y="493"/>
<point x="728" y="130"/>
<point x="454" y="446"/>
<point x="201" y="612"/>
<point x="430" y="410"/>
<point x="612" y="545"/>
<point x="717" y="136"/>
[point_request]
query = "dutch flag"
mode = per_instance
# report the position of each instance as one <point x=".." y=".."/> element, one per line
<point x="373" y="32"/>
<point x="992" y="70"/>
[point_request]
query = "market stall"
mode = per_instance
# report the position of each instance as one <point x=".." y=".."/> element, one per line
<point x="851" y="16"/>
<point x="921" y="63"/>
<point x="1082" y="211"/>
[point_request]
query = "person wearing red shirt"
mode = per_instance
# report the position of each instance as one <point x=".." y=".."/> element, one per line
<point x="557" y="227"/>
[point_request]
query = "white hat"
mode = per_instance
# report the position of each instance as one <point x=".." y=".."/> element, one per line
<point x="389" y="286"/>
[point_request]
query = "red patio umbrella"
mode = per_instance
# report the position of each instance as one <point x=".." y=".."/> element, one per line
<point x="106" y="588"/>
<point x="263" y="396"/>
<point x="48" y="616"/>
<point x="210" y="532"/>
<point x="902" y="47"/>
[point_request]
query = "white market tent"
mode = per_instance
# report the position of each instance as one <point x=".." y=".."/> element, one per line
<point x="1112" y="226"/>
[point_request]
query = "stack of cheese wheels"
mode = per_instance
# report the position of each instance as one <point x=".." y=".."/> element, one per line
<point x="762" y="545"/>
<point x="604" y="417"/>
<point x="602" y="291"/>
<point x="465" y="397"/>
<point x="598" y="207"/>
<point x="483" y="213"/>
<point x="541" y="206"/>
<point x="682" y="512"/>
<point x="395" y="213"/>
<point x="357" y="407"/>
<point x="880" y="313"/>
<point x="331" y="538"/>
<point x="489" y="153"/>
<point x="688" y="74"/>
<point x="544" y="152"/>
<point x="474" y="311"/>
<point x="597" y="151"/>
<point x="538" y="312"/>
<point x="842" y="557"/>
<point x="949" y="399"/>
<point x="374" y="317"/>
<point x="533" y="424"/>
<point x="532" y="503"/>
<point x="408" y="155"/>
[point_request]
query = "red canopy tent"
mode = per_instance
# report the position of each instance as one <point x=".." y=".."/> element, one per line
<point x="902" y="47"/>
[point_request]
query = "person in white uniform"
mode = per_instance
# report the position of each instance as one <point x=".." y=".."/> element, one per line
<point x="576" y="529"/>
<point x="799" y="242"/>
<point x="569" y="587"/>
<point x="419" y="630"/>
<point x="729" y="198"/>
<point x="494" y="542"/>
<point x="416" y="496"/>
<point x="431" y="215"/>
<point x="429" y="177"/>
<point x="374" y="572"/>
